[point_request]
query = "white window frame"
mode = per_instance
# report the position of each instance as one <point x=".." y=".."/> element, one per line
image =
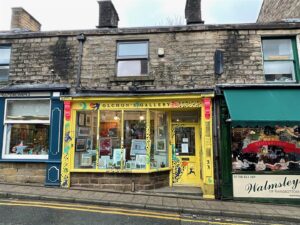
<point x="3" y="65"/>
<point x="5" y="154"/>
<point x="132" y="57"/>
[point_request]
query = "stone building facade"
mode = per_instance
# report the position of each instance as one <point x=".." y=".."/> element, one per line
<point x="278" y="10"/>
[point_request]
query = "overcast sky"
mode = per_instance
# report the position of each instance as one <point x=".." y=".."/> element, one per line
<point x="74" y="14"/>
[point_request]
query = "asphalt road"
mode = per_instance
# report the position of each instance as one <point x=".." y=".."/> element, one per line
<point x="23" y="212"/>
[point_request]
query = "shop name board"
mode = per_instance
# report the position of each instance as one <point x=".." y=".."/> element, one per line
<point x="23" y="94"/>
<point x="169" y="104"/>
<point x="266" y="186"/>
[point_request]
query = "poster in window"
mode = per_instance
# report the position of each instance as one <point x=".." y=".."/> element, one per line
<point x="80" y="144"/>
<point x="119" y="155"/>
<point x="138" y="147"/>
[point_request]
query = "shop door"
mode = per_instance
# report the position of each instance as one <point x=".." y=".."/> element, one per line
<point x="186" y="155"/>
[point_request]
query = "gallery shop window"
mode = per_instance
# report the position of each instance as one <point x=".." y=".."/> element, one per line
<point x="26" y="129"/>
<point x="271" y="149"/>
<point x="132" y="58"/>
<point x="4" y="62"/>
<point x="159" y="140"/>
<point x="280" y="59"/>
<point x="86" y="139"/>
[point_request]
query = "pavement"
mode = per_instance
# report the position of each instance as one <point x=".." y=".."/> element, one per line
<point x="153" y="201"/>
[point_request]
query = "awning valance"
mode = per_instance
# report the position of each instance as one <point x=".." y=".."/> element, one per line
<point x="248" y="107"/>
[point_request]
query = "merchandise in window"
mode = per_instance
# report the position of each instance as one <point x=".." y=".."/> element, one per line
<point x="159" y="140"/>
<point x="132" y="58"/>
<point x="269" y="148"/>
<point x="4" y="62"/>
<point x="86" y="139"/>
<point x="27" y="128"/>
<point x="279" y="60"/>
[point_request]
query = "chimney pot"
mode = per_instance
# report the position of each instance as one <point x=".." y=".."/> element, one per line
<point x="108" y="16"/>
<point x="193" y="12"/>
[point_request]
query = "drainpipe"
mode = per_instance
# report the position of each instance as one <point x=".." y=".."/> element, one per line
<point x="81" y="39"/>
<point x="216" y="144"/>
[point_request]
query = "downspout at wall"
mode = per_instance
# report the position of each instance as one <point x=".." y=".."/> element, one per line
<point x="81" y="38"/>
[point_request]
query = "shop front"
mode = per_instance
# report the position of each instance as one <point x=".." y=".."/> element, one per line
<point x="138" y="143"/>
<point x="31" y="127"/>
<point x="263" y="155"/>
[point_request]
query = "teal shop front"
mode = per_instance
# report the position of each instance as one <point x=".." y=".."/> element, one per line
<point x="31" y="134"/>
<point x="260" y="143"/>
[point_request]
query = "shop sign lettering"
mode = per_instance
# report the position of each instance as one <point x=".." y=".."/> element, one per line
<point x="266" y="186"/>
<point x="255" y="146"/>
<point x="172" y="104"/>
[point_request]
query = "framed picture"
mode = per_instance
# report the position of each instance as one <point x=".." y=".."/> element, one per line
<point x="80" y="144"/>
<point x="141" y="161"/>
<point x="95" y="121"/>
<point x="138" y="147"/>
<point x="105" y="146"/>
<point x="83" y="131"/>
<point x="161" y="145"/>
<point x="131" y="164"/>
<point x="86" y="160"/>
<point x="118" y="155"/>
<point x="88" y="120"/>
<point x="160" y="132"/>
<point x="88" y="144"/>
<point x="81" y="119"/>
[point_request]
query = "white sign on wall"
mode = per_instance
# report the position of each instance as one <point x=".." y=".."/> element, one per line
<point x="266" y="186"/>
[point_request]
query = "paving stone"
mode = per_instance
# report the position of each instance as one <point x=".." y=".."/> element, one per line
<point x="184" y="203"/>
<point x="125" y="198"/>
<point x="111" y="197"/>
<point x="140" y="199"/>
<point x="170" y="202"/>
<point x="200" y="204"/>
<point x="155" y="200"/>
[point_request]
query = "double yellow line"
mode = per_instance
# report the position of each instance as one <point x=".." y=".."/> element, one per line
<point x="109" y="210"/>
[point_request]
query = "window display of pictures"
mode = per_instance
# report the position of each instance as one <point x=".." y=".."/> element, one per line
<point x="141" y="161"/>
<point x="272" y="149"/>
<point x="81" y="119"/>
<point x="138" y="146"/>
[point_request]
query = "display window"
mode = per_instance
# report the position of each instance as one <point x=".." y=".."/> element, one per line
<point x="122" y="140"/>
<point x="26" y="129"/>
<point x="159" y="140"/>
<point x="268" y="149"/>
<point x="86" y="139"/>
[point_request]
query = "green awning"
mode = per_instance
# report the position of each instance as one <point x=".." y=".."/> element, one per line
<point x="248" y="107"/>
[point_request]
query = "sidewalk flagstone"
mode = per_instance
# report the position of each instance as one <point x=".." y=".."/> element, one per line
<point x="155" y="200"/>
<point x="170" y="202"/>
<point x="140" y="199"/>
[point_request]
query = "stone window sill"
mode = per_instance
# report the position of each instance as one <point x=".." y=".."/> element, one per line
<point x="131" y="78"/>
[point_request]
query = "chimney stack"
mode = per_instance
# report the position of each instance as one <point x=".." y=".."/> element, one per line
<point x="193" y="12"/>
<point x="22" y="20"/>
<point x="108" y="16"/>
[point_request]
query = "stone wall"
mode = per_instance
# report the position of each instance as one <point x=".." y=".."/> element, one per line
<point x="188" y="62"/>
<point x="277" y="10"/>
<point x="120" y="181"/>
<point x="21" y="19"/>
<point x="33" y="173"/>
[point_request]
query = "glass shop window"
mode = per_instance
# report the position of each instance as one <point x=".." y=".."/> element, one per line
<point x="269" y="148"/>
<point x="26" y="128"/>
<point x="185" y="116"/>
<point x="135" y="139"/>
<point x="110" y="155"/>
<point x="279" y="60"/>
<point x="4" y="62"/>
<point x="159" y="140"/>
<point x="86" y="139"/>
<point x="132" y="58"/>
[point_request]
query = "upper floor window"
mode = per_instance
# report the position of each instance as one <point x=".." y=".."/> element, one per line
<point x="280" y="59"/>
<point x="132" y="58"/>
<point x="4" y="62"/>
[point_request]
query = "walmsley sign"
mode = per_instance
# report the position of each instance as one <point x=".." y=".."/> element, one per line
<point x="266" y="186"/>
